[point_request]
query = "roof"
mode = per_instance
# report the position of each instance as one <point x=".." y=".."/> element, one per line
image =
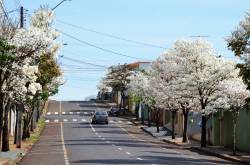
<point x="137" y="64"/>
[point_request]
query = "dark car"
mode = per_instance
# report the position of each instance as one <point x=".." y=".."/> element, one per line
<point x="100" y="117"/>
<point x="113" y="112"/>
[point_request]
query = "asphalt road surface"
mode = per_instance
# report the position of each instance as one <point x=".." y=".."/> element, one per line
<point x="70" y="139"/>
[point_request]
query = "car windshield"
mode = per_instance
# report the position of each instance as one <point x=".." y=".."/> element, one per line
<point x="101" y="113"/>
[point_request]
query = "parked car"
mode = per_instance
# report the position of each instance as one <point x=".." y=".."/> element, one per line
<point x="113" y="111"/>
<point x="100" y="117"/>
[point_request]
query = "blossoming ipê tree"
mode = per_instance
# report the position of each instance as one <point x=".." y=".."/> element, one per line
<point x="233" y="94"/>
<point x="204" y="71"/>
<point x="19" y="83"/>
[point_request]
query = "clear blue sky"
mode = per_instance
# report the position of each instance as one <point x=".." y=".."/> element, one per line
<point x="159" y="22"/>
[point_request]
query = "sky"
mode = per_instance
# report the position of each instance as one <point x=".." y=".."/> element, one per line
<point x="156" y="22"/>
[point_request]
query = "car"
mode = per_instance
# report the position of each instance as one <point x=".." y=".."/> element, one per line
<point x="100" y="117"/>
<point x="113" y="112"/>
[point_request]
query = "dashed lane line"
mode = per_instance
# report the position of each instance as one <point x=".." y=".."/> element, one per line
<point x="74" y="120"/>
<point x="139" y="158"/>
<point x="65" y="120"/>
<point x="56" y="120"/>
<point x="65" y="154"/>
<point x="93" y="129"/>
<point x="128" y="153"/>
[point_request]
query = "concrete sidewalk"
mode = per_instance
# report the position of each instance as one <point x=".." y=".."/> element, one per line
<point x="11" y="157"/>
<point x="218" y="151"/>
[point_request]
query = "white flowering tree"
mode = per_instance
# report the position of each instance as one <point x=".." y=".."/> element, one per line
<point x="233" y="94"/>
<point x="103" y="89"/>
<point x="138" y="88"/>
<point x="24" y="72"/>
<point x="118" y="78"/>
<point x="204" y="72"/>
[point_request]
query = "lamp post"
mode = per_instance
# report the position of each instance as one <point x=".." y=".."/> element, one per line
<point x="60" y="4"/>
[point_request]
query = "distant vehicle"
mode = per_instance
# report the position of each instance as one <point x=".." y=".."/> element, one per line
<point x="100" y="117"/>
<point x="113" y="111"/>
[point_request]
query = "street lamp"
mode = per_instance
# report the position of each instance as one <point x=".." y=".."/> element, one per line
<point x="60" y="4"/>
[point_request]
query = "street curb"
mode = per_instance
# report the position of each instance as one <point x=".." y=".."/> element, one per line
<point x="174" y="143"/>
<point x="226" y="157"/>
<point x="223" y="156"/>
<point x="165" y="140"/>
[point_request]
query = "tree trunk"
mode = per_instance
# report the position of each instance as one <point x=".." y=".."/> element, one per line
<point x="234" y="138"/>
<point x="1" y="125"/>
<point x="184" y="137"/>
<point x="5" y="135"/>
<point x="149" y="117"/>
<point x="173" y="124"/>
<point x="203" y="131"/>
<point x="142" y="114"/>
<point x="157" y="126"/>
<point x="19" y="126"/>
<point x="137" y="111"/>
<point x="157" y="121"/>
<point x="15" y="134"/>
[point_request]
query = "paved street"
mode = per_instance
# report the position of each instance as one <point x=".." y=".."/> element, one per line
<point x="69" y="138"/>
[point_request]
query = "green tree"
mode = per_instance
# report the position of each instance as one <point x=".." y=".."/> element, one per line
<point x="239" y="43"/>
<point x="118" y="78"/>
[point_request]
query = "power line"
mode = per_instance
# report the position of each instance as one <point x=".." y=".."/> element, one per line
<point x="112" y="36"/>
<point x="83" y="62"/>
<point x="100" y="48"/>
<point x="11" y="11"/>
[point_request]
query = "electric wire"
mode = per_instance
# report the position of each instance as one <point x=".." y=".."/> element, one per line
<point x="100" y="48"/>
<point x="83" y="62"/>
<point x="111" y="36"/>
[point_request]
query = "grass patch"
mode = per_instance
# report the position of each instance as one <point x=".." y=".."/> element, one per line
<point x="34" y="137"/>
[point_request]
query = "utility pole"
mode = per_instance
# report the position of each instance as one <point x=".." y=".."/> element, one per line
<point x="21" y="17"/>
<point x="20" y="107"/>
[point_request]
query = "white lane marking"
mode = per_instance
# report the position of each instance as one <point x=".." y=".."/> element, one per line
<point x="103" y="138"/>
<point x="153" y="164"/>
<point x="78" y="113"/>
<point x="96" y="133"/>
<point x="139" y="158"/>
<point x="56" y="120"/>
<point x="119" y="121"/>
<point x="66" y="158"/>
<point x="70" y="113"/>
<point x="63" y="113"/>
<point x="74" y="120"/>
<point x="48" y="113"/>
<point x="128" y="153"/>
<point x="85" y="113"/>
<point x="111" y="121"/>
<point x="119" y="148"/>
<point x="46" y="121"/>
<point x="56" y="113"/>
<point x="93" y="129"/>
<point x="84" y="120"/>
<point x="107" y="141"/>
<point x="99" y="136"/>
<point x="65" y="120"/>
<point x="129" y="122"/>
